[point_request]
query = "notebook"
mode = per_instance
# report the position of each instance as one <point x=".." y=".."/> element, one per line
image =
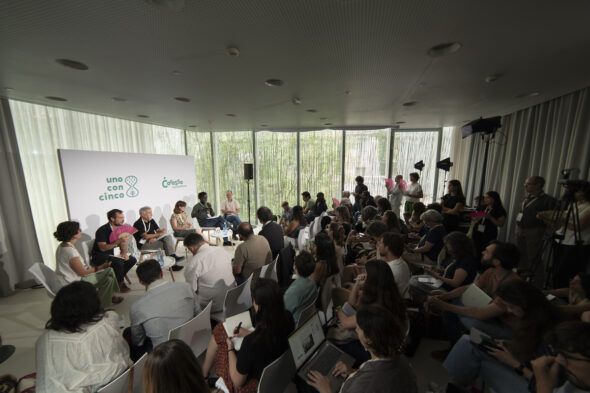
<point x="232" y="322"/>
<point x="475" y="297"/>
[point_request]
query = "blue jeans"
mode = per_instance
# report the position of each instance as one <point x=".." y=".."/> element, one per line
<point x="234" y="221"/>
<point x="466" y="362"/>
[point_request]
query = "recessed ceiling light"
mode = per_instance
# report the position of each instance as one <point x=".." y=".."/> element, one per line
<point x="230" y="114"/>
<point x="347" y="92"/>
<point x="119" y="99"/>
<point x="327" y="124"/>
<point x="444" y="49"/>
<point x="410" y="103"/>
<point x="232" y="51"/>
<point x="527" y="95"/>
<point x="264" y="125"/>
<point x="323" y="118"/>
<point x="76" y="65"/>
<point x="54" y="98"/>
<point x="400" y="122"/>
<point x="175" y="73"/>
<point x="274" y="82"/>
<point x="192" y="126"/>
<point x="492" y="78"/>
<point x="311" y="110"/>
<point x="143" y="116"/>
<point x="182" y="99"/>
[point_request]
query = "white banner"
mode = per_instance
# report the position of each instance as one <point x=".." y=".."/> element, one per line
<point x="96" y="182"/>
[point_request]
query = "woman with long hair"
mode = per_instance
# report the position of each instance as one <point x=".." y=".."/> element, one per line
<point x="453" y="204"/>
<point x="392" y="221"/>
<point x="297" y="221"/>
<point x="173" y="367"/>
<point x="82" y="348"/>
<point x="383" y="205"/>
<point x="490" y="216"/>
<point x="504" y="365"/>
<point x="272" y="325"/>
<point x="181" y="223"/>
<point x="325" y="256"/>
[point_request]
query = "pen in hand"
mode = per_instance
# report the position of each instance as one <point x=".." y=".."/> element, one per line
<point x="237" y="329"/>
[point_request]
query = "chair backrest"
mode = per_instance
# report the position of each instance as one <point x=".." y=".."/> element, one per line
<point x="50" y="280"/>
<point x="267" y="270"/>
<point x="196" y="333"/>
<point x="318" y="223"/>
<point x="238" y="299"/>
<point x="306" y="314"/>
<point x="284" y="266"/>
<point x="302" y="238"/>
<point x="121" y="383"/>
<point x="326" y="291"/>
<point x="277" y="375"/>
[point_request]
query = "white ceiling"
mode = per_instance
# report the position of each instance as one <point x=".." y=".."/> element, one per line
<point x="375" y="49"/>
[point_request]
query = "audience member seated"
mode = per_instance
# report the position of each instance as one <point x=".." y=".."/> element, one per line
<point x="383" y="205"/>
<point x="570" y="360"/>
<point x="298" y="220"/>
<point x="391" y="248"/>
<point x="308" y="203"/>
<point x="173" y="367"/>
<point x="367" y="199"/>
<point x="180" y="222"/>
<point x="205" y="215"/>
<point x="149" y="236"/>
<point x="504" y="365"/>
<point x="502" y="257"/>
<point x="382" y="335"/>
<point x="242" y="369"/>
<point x="377" y="286"/>
<point x="82" y="348"/>
<point x="303" y="290"/>
<point x="103" y="251"/>
<point x="432" y="242"/>
<point x="574" y="300"/>
<point x="336" y="233"/>
<point x="271" y="231"/>
<point x="252" y="253"/>
<point x="415" y="224"/>
<point x="464" y="266"/>
<point x="363" y="247"/>
<point x="230" y="208"/>
<point x="343" y="217"/>
<point x="163" y="307"/>
<point x="324" y="222"/>
<point x="287" y="214"/>
<point x="320" y="205"/>
<point x="490" y="216"/>
<point x="71" y="266"/>
<point x="453" y="204"/>
<point x="392" y="221"/>
<point x="325" y="256"/>
<point x="209" y="272"/>
<point x="413" y="195"/>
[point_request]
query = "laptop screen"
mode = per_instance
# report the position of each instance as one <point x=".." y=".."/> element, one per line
<point x="306" y="340"/>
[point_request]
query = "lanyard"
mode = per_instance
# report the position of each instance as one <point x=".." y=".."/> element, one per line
<point x="525" y="205"/>
<point x="147" y="229"/>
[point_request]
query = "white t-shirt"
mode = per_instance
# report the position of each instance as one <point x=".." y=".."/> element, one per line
<point x="401" y="274"/>
<point x="233" y="206"/>
<point x="63" y="254"/>
<point x="414" y="188"/>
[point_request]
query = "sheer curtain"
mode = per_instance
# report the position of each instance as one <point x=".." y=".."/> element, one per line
<point x="540" y="140"/>
<point x="367" y="155"/>
<point x="41" y="130"/>
<point x="320" y="159"/>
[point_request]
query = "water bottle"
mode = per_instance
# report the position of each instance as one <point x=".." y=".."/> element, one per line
<point x="224" y="229"/>
<point x="161" y="260"/>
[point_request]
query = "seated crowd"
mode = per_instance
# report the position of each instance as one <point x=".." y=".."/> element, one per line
<point x="377" y="282"/>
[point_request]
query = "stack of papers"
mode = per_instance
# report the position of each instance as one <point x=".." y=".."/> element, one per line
<point x="232" y="322"/>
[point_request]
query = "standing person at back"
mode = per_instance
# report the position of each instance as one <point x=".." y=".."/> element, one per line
<point x="395" y="193"/>
<point x="413" y="194"/>
<point x="252" y="253"/>
<point x="529" y="228"/>
<point x="271" y="231"/>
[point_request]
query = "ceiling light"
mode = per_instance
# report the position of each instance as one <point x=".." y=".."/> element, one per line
<point x="400" y="122"/>
<point x="328" y="124"/>
<point x="192" y="126"/>
<point x="76" y="65"/>
<point x="232" y="51"/>
<point x="182" y="99"/>
<point x="296" y="101"/>
<point x="54" y="98"/>
<point x="274" y="82"/>
<point x="347" y="92"/>
<point x="119" y="99"/>
<point x="143" y="116"/>
<point x="444" y="49"/>
<point x="410" y="103"/>
<point x="492" y="78"/>
<point x="175" y="73"/>
<point x="527" y="95"/>
<point x="230" y="114"/>
<point x="264" y="125"/>
<point x="311" y="110"/>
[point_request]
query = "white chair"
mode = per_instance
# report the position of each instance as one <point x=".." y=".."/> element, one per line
<point x="302" y="238"/>
<point x="121" y="383"/>
<point x="270" y="271"/>
<point x="277" y="376"/>
<point x="196" y="333"/>
<point x="50" y="280"/>
<point x="326" y="303"/>
<point x="238" y="299"/>
<point x="306" y="314"/>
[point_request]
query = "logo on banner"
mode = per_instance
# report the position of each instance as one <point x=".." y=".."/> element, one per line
<point x="172" y="183"/>
<point x="119" y="187"/>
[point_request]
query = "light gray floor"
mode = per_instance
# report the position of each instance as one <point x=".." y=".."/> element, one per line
<point x="23" y="317"/>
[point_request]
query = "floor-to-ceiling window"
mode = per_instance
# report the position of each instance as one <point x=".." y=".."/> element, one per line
<point x="198" y="145"/>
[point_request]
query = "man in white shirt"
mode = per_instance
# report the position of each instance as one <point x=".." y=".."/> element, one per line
<point x="209" y="272"/>
<point x="391" y="248"/>
<point x="163" y="307"/>
<point x="230" y="208"/>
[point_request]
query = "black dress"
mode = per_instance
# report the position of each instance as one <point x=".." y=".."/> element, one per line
<point x="481" y="239"/>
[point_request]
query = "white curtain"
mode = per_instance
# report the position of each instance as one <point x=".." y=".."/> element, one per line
<point x="41" y="130"/>
<point x="540" y="140"/>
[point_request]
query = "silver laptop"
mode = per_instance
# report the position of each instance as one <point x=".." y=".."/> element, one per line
<point x="312" y="352"/>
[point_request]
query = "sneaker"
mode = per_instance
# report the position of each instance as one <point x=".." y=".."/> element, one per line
<point x="176" y="268"/>
<point x="123" y="288"/>
<point x="440" y="355"/>
<point x="227" y="243"/>
<point x="116" y="299"/>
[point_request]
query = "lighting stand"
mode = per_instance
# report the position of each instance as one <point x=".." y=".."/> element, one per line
<point x="248" y="183"/>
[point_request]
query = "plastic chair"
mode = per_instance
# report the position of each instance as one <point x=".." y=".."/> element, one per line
<point x="196" y="333"/>
<point x="121" y="383"/>
<point x="50" y="280"/>
<point x="306" y="314"/>
<point x="238" y="299"/>
<point x="277" y="376"/>
<point x="270" y="271"/>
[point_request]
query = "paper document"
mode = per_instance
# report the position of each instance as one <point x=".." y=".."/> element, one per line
<point x="433" y="282"/>
<point x="232" y="322"/>
<point x="475" y="297"/>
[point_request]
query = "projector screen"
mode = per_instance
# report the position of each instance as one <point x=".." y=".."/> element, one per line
<point x="96" y="182"/>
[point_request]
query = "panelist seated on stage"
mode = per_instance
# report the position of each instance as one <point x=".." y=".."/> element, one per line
<point x="149" y="236"/>
<point x="230" y="208"/>
<point x="103" y="249"/>
<point x="203" y="212"/>
<point x="181" y="224"/>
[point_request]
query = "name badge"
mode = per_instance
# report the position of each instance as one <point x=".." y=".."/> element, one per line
<point x="519" y="217"/>
<point x="142" y="241"/>
<point x="481" y="228"/>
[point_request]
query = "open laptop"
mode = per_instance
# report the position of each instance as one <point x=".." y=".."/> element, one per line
<point x="312" y="352"/>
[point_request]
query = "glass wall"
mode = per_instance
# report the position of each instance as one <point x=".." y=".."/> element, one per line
<point x="276" y="169"/>
<point x="320" y="162"/>
<point x="367" y="155"/>
<point x="445" y="151"/>
<point x="198" y="145"/>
